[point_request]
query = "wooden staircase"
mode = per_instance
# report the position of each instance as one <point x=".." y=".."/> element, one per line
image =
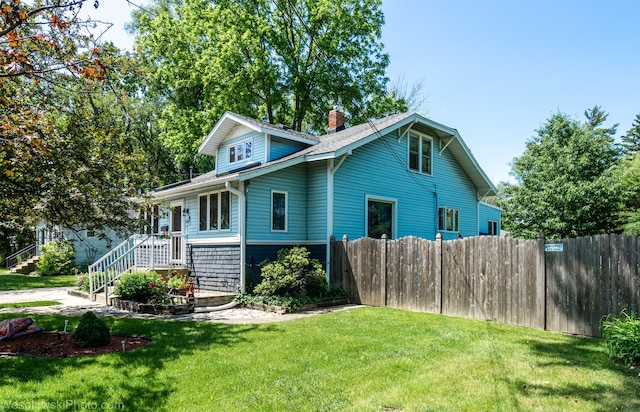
<point x="25" y="267"/>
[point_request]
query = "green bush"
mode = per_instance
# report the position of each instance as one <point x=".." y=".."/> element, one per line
<point x="92" y="332"/>
<point x="56" y="258"/>
<point x="294" y="273"/>
<point x="142" y="287"/>
<point x="621" y="336"/>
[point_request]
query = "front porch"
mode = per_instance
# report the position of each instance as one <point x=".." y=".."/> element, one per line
<point x="214" y="268"/>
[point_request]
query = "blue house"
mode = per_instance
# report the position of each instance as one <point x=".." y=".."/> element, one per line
<point x="274" y="187"/>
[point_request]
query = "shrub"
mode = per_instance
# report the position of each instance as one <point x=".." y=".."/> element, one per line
<point x="294" y="273"/>
<point x="56" y="258"/>
<point x="142" y="287"/>
<point x="621" y="336"/>
<point x="92" y="332"/>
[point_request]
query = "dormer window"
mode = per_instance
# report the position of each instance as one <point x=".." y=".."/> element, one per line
<point x="420" y="153"/>
<point x="241" y="151"/>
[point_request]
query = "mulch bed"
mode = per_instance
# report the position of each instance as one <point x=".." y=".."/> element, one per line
<point x="48" y="344"/>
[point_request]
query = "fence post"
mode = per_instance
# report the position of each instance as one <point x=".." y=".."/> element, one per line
<point x="383" y="275"/>
<point x="541" y="284"/>
<point x="438" y="275"/>
<point x="346" y="285"/>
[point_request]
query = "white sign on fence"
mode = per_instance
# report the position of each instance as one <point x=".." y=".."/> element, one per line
<point x="554" y="247"/>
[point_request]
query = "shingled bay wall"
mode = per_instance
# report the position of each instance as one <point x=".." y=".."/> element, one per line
<point x="215" y="267"/>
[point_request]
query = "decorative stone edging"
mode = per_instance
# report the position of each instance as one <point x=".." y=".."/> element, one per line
<point x="132" y="306"/>
<point x="281" y="310"/>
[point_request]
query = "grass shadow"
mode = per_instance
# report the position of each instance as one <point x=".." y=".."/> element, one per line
<point x="136" y="379"/>
<point x="617" y="389"/>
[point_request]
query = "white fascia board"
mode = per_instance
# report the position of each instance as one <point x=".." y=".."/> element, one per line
<point x="475" y="163"/>
<point x="321" y="156"/>
<point x="491" y="206"/>
<point x="228" y="121"/>
<point x="190" y="187"/>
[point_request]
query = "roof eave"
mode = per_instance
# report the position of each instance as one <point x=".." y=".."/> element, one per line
<point x="181" y="190"/>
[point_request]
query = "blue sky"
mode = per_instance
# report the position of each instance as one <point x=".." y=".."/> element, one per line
<point x="496" y="70"/>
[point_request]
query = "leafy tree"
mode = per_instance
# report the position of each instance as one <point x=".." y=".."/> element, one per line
<point x="631" y="141"/>
<point x="630" y="182"/>
<point x="67" y="155"/>
<point x="282" y="61"/>
<point x="566" y="180"/>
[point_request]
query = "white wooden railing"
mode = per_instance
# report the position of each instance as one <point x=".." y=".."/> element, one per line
<point x="138" y="252"/>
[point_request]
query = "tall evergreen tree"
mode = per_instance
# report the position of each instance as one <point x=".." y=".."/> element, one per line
<point x="630" y="142"/>
<point x="566" y="182"/>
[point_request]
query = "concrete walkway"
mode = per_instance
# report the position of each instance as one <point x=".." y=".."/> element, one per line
<point x="76" y="306"/>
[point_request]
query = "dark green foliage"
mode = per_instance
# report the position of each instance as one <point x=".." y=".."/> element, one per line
<point x="621" y="335"/>
<point x="631" y="141"/>
<point x="566" y="181"/>
<point x="294" y="273"/>
<point x="92" y="332"/>
<point x="291" y="302"/>
<point x="141" y="287"/>
<point x="56" y="258"/>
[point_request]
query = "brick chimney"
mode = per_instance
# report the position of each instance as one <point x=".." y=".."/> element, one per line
<point x="336" y="120"/>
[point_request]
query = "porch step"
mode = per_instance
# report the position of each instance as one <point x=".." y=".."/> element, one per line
<point x="25" y="267"/>
<point x="99" y="297"/>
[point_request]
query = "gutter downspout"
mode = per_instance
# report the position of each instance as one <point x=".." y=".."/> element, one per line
<point x="241" y="229"/>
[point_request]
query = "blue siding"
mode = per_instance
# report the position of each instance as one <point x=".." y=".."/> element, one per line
<point x="258" y="155"/>
<point x="191" y="222"/>
<point x="379" y="169"/>
<point x="282" y="147"/>
<point x="292" y="180"/>
<point x="317" y="201"/>
<point x="488" y="212"/>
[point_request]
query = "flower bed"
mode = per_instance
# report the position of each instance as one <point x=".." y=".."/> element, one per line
<point x="160" y="309"/>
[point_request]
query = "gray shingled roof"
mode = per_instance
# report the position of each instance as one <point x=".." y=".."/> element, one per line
<point x="350" y="138"/>
<point x="335" y="141"/>
<point x="276" y="128"/>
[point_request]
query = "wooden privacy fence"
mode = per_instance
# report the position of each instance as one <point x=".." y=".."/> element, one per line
<point x="563" y="286"/>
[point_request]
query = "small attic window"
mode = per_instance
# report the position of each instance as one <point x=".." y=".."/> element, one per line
<point x="241" y="151"/>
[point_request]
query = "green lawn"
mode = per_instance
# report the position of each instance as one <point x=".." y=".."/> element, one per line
<point x="365" y="359"/>
<point x="29" y="304"/>
<point x="12" y="281"/>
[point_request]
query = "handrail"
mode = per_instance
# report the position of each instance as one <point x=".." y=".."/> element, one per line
<point x="136" y="252"/>
<point x="15" y="256"/>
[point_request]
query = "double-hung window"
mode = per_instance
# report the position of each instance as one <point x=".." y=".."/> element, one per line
<point x="241" y="151"/>
<point x="448" y="219"/>
<point x="214" y="211"/>
<point x="279" y="211"/>
<point x="420" y="149"/>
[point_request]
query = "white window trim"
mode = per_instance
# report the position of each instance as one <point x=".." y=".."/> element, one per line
<point x="420" y="136"/>
<point x="208" y="214"/>
<point x="235" y="146"/>
<point x="457" y="223"/>
<point x="394" y="217"/>
<point x="286" y="211"/>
